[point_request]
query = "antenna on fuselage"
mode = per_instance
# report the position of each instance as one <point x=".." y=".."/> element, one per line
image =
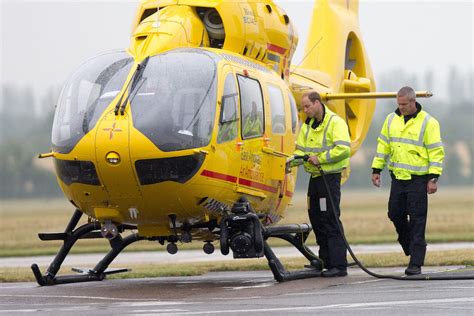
<point x="157" y="22"/>
<point x="307" y="54"/>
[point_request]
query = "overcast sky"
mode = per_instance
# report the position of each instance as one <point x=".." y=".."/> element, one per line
<point x="42" y="42"/>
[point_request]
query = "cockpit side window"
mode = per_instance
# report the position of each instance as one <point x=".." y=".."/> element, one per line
<point x="277" y="104"/>
<point x="228" y="118"/>
<point x="251" y="107"/>
<point x="294" y="113"/>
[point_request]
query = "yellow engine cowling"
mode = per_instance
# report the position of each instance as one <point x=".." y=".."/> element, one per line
<point x="261" y="30"/>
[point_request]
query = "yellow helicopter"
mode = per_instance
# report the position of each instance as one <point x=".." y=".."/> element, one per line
<point x="185" y="135"/>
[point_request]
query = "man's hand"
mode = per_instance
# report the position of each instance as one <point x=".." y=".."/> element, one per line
<point x="376" y="179"/>
<point x="431" y="187"/>
<point x="314" y="160"/>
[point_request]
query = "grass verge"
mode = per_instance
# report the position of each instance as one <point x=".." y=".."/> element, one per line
<point x="364" y="215"/>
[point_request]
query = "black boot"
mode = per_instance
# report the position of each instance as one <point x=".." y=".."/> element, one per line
<point x="412" y="270"/>
<point x="334" y="272"/>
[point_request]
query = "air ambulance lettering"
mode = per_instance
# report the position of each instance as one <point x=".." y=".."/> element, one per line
<point x="254" y="158"/>
<point x="249" y="17"/>
<point x="252" y="173"/>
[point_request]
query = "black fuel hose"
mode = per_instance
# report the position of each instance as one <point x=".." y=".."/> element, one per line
<point x="376" y="275"/>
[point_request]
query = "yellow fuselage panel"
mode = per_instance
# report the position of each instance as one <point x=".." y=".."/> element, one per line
<point x="178" y="26"/>
<point x="249" y="167"/>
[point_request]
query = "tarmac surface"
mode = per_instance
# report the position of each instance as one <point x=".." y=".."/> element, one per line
<point x="242" y="293"/>
<point x="245" y="293"/>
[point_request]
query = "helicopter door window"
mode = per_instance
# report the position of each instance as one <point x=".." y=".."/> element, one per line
<point x="277" y="104"/>
<point x="251" y="107"/>
<point x="294" y="113"/>
<point x="228" y="118"/>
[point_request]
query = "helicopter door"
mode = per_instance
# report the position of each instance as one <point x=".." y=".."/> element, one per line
<point x="253" y="161"/>
<point x="227" y="159"/>
<point x="276" y="147"/>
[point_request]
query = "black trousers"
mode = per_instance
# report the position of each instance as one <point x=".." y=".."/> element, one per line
<point x="407" y="209"/>
<point x="332" y="249"/>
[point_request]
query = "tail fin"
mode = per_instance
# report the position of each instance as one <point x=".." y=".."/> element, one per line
<point x="335" y="48"/>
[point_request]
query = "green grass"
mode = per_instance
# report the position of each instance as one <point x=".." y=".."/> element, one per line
<point x="364" y="215"/>
<point x="437" y="258"/>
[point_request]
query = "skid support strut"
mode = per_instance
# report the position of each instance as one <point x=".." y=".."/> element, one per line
<point x="69" y="237"/>
<point x="295" y="235"/>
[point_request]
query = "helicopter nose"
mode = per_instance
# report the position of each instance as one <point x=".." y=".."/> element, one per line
<point x="113" y="157"/>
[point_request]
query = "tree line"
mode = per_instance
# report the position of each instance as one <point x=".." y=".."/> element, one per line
<point x="26" y="121"/>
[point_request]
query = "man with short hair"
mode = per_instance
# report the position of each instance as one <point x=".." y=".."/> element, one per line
<point x="253" y="125"/>
<point x="324" y="139"/>
<point x="410" y="143"/>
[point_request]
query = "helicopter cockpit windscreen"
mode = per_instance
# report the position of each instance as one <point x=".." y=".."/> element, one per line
<point x="86" y="95"/>
<point x="175" y="99"/>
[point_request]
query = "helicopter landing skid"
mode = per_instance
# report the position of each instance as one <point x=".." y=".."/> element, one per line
<point x="295" y="235"/>
<point x="70" y="237"/>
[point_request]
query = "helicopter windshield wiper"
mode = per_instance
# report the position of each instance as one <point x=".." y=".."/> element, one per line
<point x="137" y="74"/>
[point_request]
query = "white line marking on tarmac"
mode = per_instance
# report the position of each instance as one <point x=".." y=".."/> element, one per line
<point x="386" y="289"/>
<point x="247" y="287"/>
<point x="156" y="311"/>
<point x="234" y="298"/>
<point x="159" y="303"/>
<point x="15" y="287"/>
<point x="337" y="306"/>
<point x="363" y="282"/>
<point x="94" y="297"/>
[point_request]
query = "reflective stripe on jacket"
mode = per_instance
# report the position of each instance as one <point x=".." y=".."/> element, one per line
<point x="414" y="148"/>
<point x="330" y="142"/>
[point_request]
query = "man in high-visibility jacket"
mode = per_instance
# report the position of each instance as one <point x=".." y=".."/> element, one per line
<point x="253" y="123"/>
<point x="324" y="140"/>
<point x="410" y="143"/>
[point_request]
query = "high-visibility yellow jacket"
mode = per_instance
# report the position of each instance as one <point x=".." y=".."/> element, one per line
<point x="414" y="148"/>
<point x="329" y="141"/>
<point x="252" y="126"/>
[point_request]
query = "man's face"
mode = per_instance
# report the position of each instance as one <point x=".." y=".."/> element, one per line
<point x="406" y="106"/>
<point x="310" y="109"/>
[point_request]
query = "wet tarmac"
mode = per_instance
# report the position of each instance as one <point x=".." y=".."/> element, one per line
<point x="246" y="293"/>
<point x="242" y="293"/>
